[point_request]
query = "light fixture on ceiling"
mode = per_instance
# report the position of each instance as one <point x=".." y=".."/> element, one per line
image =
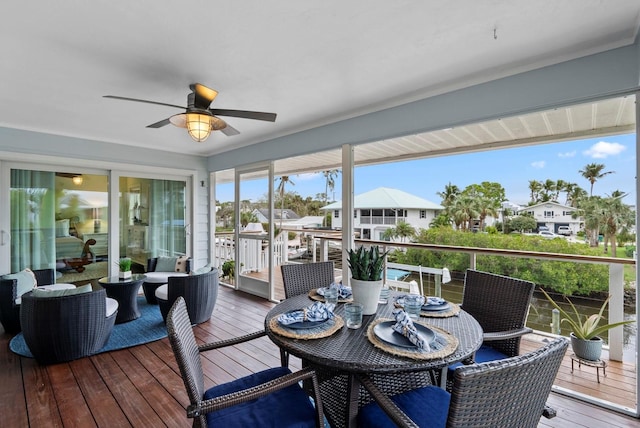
<point x="199" y="124"/>
<point x="77" y="180"/>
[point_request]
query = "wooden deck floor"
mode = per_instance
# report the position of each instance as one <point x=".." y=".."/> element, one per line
<point x="141" y="386"/>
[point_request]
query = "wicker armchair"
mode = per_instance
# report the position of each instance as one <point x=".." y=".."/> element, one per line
<point x="302" y="278"/>
<point x="156" y="279"/>
<point x="501" y="305"/>
<point x="58" y="329"/>
<point x="9" y="309"/>
<point x="268" y="398"/>
<point x="199" y="292"/>
<point x="505" y="393"/>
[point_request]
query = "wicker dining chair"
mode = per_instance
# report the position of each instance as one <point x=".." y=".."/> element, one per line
<point x="302" y="278"/>
<point x="200" y="293"/>
<point x="9" y="309"/>
<point x="505" y="393"/>
<point x="501" y="305"/>
<point x="270" y="398"/>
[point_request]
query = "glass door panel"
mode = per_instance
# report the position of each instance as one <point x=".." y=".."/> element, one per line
<point x="153" y="219"/>
<point x="253" y="243"/>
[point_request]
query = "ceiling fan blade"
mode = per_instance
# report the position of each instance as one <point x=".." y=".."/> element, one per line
<point x="229" y="131"/>
<point x="115" y="97"/>
<point x="203" y="95"/>
<point x="257" y="115"/>
<point x="159" y="124"/>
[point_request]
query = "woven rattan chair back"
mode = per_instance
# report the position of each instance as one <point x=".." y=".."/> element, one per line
<point x="499" y="303"/>
<point x="302" y="278"/>
<point x="9" y="310"/>
<point x="505" y="393"/>
<point x="187" y="354"/>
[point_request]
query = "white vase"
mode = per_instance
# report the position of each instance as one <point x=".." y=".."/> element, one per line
<point x="367" y="293"/>
<point x="125" y="275"/>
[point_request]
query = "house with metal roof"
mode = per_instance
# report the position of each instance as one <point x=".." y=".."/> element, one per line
<point x="383" y="208"/>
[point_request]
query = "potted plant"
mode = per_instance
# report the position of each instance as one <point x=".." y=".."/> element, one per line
<point x="366" y="267"/>
<point x="124" y="264"/>
<point x="585" y="330"/>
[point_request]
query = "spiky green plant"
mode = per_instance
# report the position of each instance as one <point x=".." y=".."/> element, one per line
<point x="124" y="264"/>
<point x="366" y="264"/>
<point x="585" y="327"/>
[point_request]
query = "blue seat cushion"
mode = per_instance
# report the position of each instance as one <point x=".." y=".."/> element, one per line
<point x="288" y="407"/>
<point x="484" y="354"/>
<point x="427" y="407"/>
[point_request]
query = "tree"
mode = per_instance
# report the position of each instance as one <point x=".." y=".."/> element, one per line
<point x="535" y="187"/>
<point x="329" y="175"/>
<point x="284" y="179"/>
<point x="522" y="223"/>
<point x="402" y="230"/>
<point x="593" y="172"/>
<point x="616" y="217"/>
<point x="451" y="191"/>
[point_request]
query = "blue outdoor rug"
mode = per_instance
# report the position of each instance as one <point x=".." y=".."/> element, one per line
<point x="148" y="328"/>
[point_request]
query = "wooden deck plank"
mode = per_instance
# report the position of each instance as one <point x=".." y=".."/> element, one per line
<point x="141" y="386"/>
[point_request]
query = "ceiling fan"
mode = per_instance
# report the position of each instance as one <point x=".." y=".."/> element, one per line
<point x="198" y="118"/>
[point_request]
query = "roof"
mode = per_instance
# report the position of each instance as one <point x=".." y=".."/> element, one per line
<point x="554" y="203"/>
<point x="384" y="197"/>
<point x="286" y="214"/>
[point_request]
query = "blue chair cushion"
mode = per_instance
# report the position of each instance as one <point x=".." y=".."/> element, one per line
<point x="484" y="354"/>
<point x="427" y="407"/>
<point x="288" y="407"/>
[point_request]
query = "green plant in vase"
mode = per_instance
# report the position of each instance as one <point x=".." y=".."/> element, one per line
<point x="124" y="265"/>
<point x="585" y="330"/>
<point x="367" y="266"/>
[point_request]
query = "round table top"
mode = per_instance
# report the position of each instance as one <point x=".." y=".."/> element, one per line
<point x="117" y="280"/>
<point x="349" y="350"/>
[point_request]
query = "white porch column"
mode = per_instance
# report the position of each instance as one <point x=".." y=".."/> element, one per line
<point x="347" y="209"/>
<point x="616" y="310"/>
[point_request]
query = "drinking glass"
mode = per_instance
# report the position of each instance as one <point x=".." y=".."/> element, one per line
<point x="353" y="314"/>
<point x="331" y="295"/>
<point x="413" y="305"/>
<point x="384" y="295"/>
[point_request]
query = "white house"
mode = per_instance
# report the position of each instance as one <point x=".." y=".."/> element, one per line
<point x="553" y="215"/>
<point x="382" y="208"/>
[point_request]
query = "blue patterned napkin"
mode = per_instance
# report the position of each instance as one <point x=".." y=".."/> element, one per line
<point x="434" y="301"/>
<point x="316" y="312"/>
<point x="405" y="327"/>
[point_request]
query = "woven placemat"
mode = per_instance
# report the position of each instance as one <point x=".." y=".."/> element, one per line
<point x="313" y="295"/>
<point x="324" y="330"/>
<point x="454" y="309"/>
<point x="443" y="345"/>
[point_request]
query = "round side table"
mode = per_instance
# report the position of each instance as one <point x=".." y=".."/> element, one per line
<point x="125" y="291"/>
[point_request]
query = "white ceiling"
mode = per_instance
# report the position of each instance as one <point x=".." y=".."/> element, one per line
<point x="311" y="62"/>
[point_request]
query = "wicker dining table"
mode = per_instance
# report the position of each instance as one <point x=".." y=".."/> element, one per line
<point x="340" y="356"/>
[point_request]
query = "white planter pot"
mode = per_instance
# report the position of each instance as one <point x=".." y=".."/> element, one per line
<point x="367" y="293"/>
<point x="125" y="275"/>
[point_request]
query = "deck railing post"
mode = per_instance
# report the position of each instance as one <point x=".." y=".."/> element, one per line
<point x="616" y="310"/>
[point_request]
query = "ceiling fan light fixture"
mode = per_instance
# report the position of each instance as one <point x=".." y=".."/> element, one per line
<point x="199" y="126"/>
<point x="77" y="180"/>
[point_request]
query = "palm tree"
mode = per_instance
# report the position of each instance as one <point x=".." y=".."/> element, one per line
<point x="330" y="176"/>
<point x="593" y="172"/>
<point x="464" y="211"/>
<point x="574" y="194"/>
<point x="284" y="179"/>
<point x="449" y="194"/>
<point x="404" y="230"/>
<point x="535" y="187"/>
<point x="616" y="216"/>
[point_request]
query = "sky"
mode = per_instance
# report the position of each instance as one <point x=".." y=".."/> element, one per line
<point x="512" y="168"/>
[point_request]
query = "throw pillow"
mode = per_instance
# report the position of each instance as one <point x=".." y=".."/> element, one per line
<point x="38" y="292"/>
<point x="166" y="264"/>
<point x="181" y="264"/>
<point x="25" y="281"/>
<point x="204" y="269"/>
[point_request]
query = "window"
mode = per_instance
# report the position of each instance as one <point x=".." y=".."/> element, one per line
<point x="548" y="214"/>
<point x="336" y="214"/>
<point x="355" y="213"/>
<point x="423" y="213"/>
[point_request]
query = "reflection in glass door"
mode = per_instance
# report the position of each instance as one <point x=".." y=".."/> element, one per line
<point x="253" y="249"/>
<point x="59" y="221"/>
<point x="153" y="219"/>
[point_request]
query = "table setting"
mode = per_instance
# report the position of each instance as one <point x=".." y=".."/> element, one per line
<point x="344" y="293"/>
<point x="430" y="306"/>
<point x="315" y="321"/>
<point x="404" y="337"/>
